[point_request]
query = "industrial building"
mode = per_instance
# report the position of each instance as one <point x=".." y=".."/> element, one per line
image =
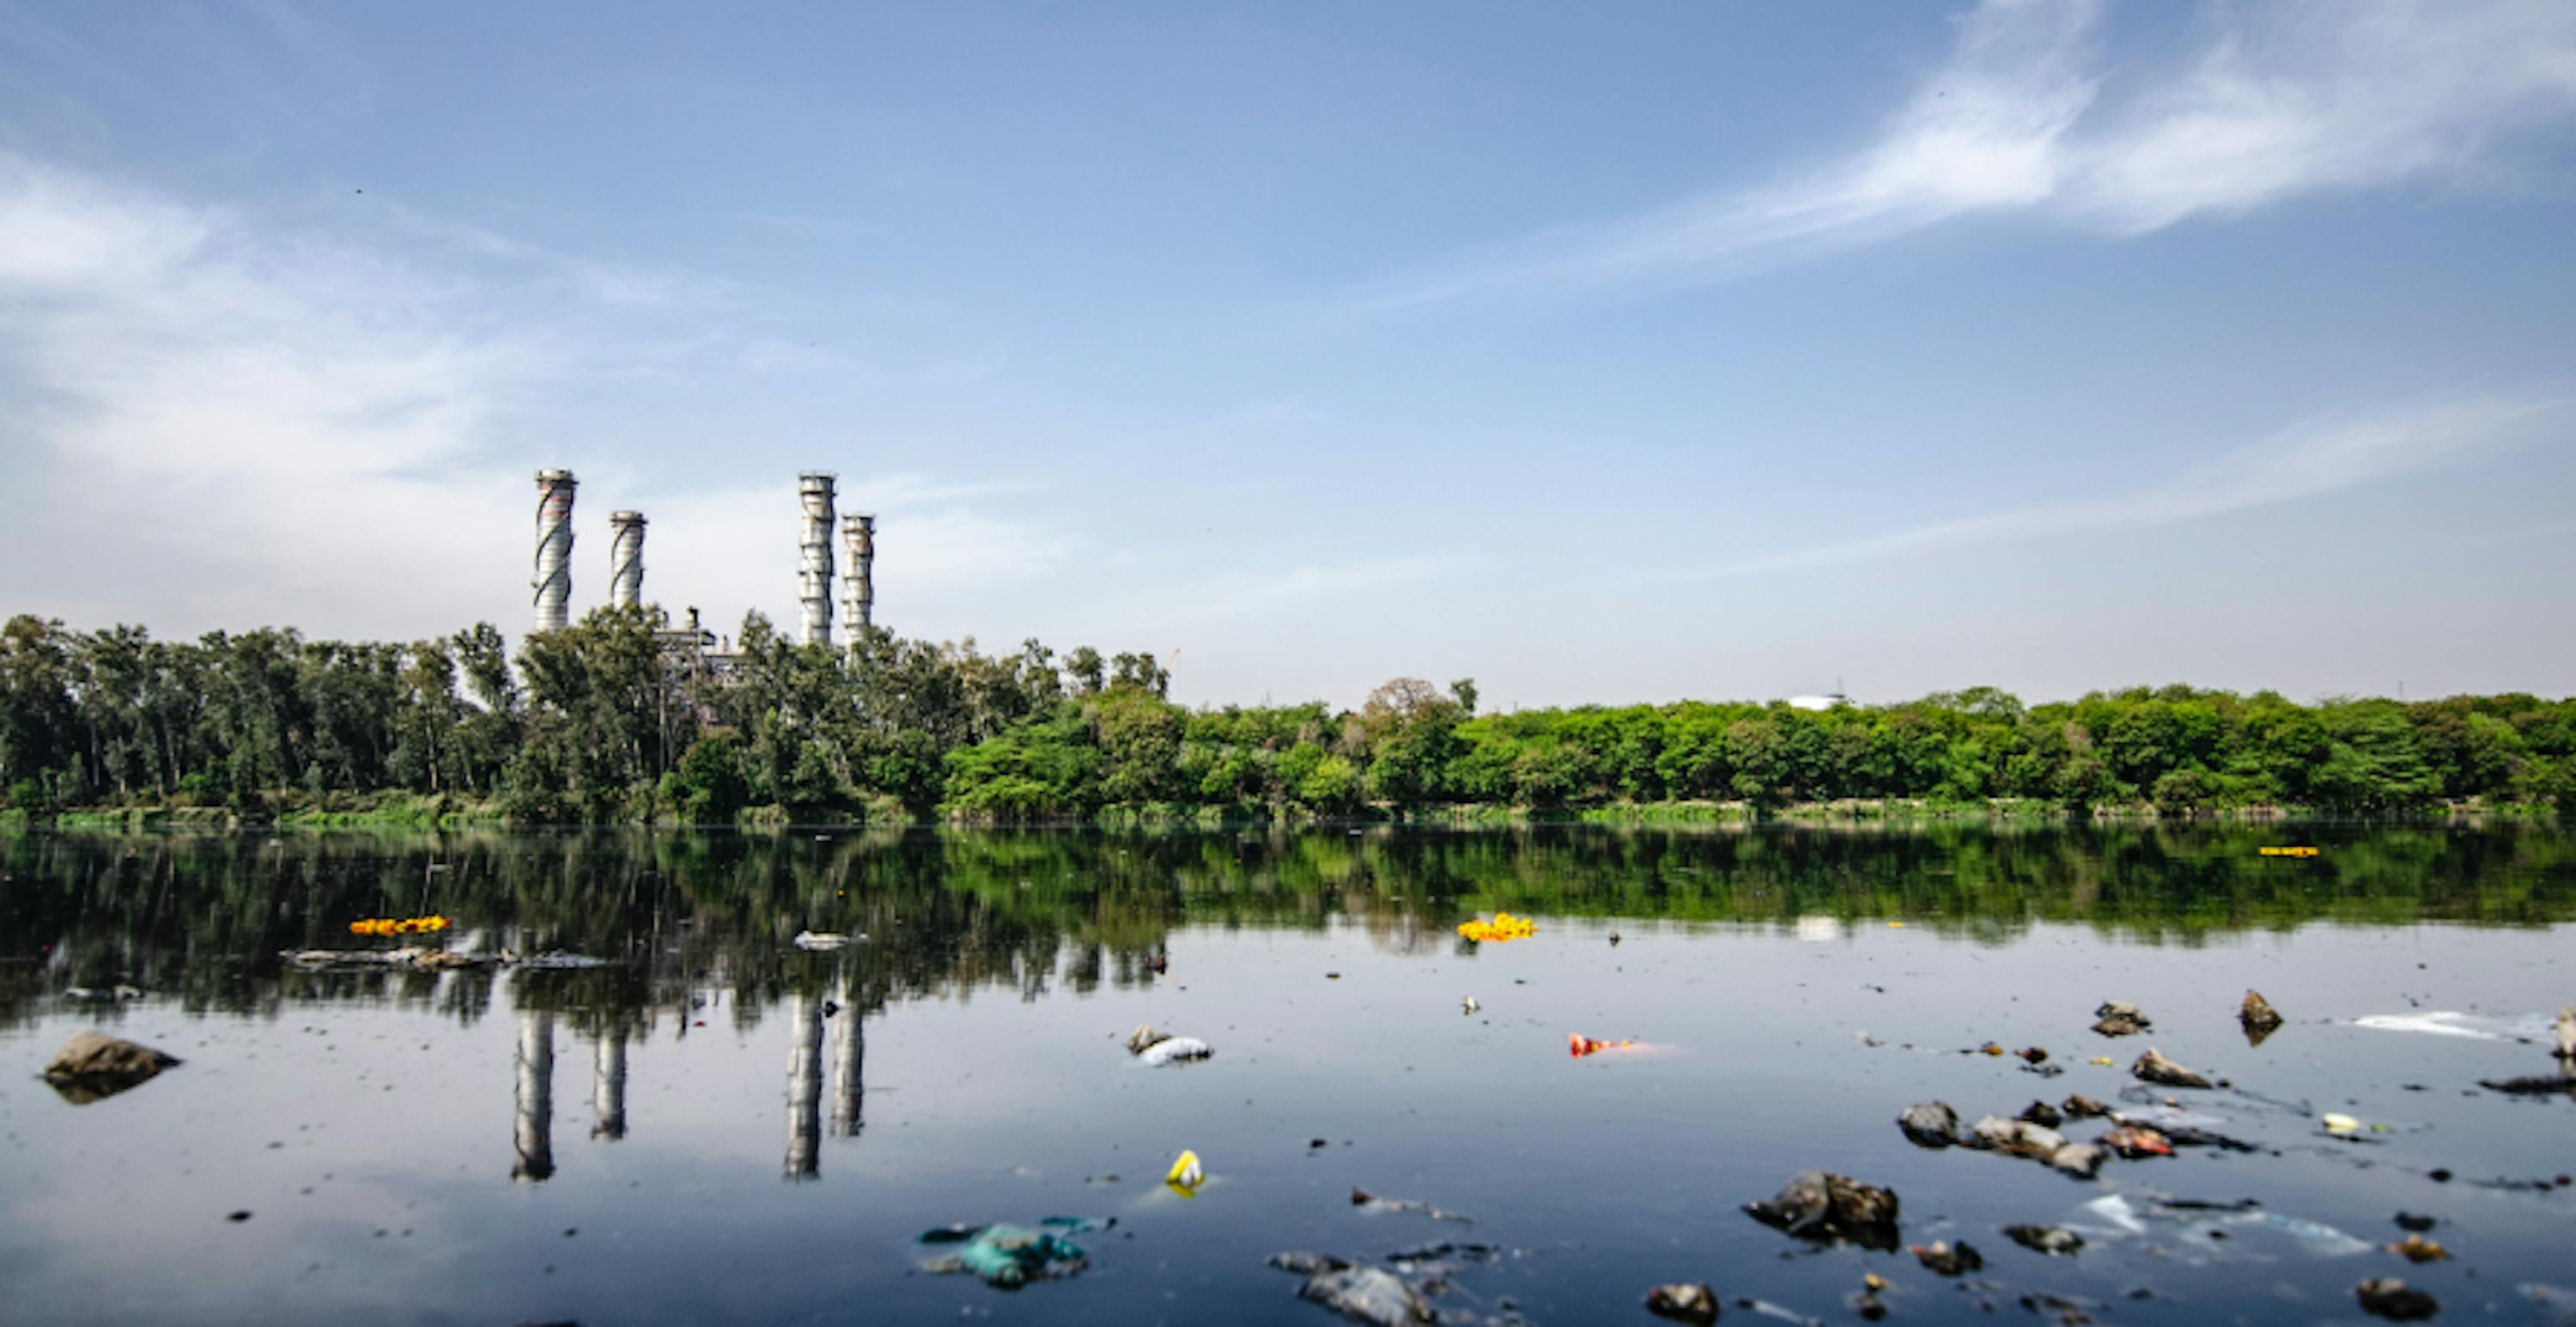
<point x="706" y="652"/>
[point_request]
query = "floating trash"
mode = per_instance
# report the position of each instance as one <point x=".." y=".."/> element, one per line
<point x="1503" y="927"/>
<point x="1186" y="1175"/>
<point x="2300" y="850"/>
<point x="398" y="925"/>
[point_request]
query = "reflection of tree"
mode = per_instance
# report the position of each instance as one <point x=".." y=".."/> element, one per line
<point x="693" y="918"/>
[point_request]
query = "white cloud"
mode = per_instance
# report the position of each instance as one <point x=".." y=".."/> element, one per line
<point x="2279" y="101"/>
<point x="213" y="422"/>
<point x="2302" y="462"/>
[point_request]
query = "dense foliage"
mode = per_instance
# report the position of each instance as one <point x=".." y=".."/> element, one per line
<point x="603" y="722"/>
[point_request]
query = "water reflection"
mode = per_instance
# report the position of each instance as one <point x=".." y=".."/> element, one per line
<point x="686" y="920"/>
<point x="534" y="1104"/>
<point x="805" y="1087"/>
<point x="608" y="1086"/>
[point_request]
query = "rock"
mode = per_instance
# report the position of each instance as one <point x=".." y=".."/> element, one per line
<point x="2044" y="1115"/>
<point x="2033" y="1054"/>
<point x="1145" y="1035"/>
<point x="2153" y="1067"/>
<point x="2136" y="1141"/>
<point x="1932" y="1124"/>
<point x="2567" y="1033"/>
<point x="1306" y="1264"/>
<point x="2018" y="1138"/>
<point x="2257" y="1014"/>
<point x="2081" y="1160"/>
<point x="2412" y="1221"/>
<point x="2542" y="1085"/>
<point x="93" y="1066"/>
<point x="2045" y="1239"/>
<point x="2392" y="1299"/>
<point x="2080" y="1106"/>
<point x="1683" y="1302"/>
<point x="1943" y="1258"/>
<point x="2119" y="1018"/>
<point x="1819" y="1205"/>
<point x="1367" y="1294"/>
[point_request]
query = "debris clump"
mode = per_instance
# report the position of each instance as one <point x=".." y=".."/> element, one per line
<point x="1820" y="1206"/>
<point x="2153" y="1067"/>
<point x="2119" y="1018"/>
<point x="93" y="1066"/>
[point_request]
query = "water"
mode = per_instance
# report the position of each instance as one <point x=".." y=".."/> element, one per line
<point x="463" y="1148"/>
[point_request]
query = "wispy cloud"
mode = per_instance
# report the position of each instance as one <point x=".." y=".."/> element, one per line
<point x="2303" y="462"/>
<point x="215" y="420"/>
<point x="2033" y="114"/>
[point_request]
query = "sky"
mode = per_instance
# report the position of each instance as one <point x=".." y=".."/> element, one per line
<point x="1676" y="351"/>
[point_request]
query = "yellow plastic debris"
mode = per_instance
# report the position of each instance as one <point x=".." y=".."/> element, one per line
<point x="1504" y="926"/>
<point x="1186" y="1176"/>
<point x="2336" y="1122"/>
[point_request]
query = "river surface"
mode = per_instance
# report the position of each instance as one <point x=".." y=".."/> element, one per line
<point x="714" y="1125"/>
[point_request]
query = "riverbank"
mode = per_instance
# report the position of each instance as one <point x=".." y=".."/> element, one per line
<point x="410" y="811"/>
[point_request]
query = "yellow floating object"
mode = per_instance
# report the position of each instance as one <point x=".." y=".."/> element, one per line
<point x="1186" y="1177"/>
<point x="1504" y="926"/>
<point x="2287" y="852"/>
<point x="1896" y="926"/>
<point x="2340" y="1123"/>
<point x="2101" y="1059"/>
<point x="398" y="925"/>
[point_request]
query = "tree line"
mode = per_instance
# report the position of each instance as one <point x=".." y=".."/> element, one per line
<point x="607" y="721"/>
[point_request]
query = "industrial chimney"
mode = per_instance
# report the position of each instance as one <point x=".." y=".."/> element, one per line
<point x="859" y="537"/>
<point x="814" y="580"/>
<point x="553" y="582"/>
<point x="626" y="559"/>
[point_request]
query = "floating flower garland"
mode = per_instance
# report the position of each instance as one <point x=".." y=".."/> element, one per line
<point x="398" y="925"/>
<point x="1504" y="926"/>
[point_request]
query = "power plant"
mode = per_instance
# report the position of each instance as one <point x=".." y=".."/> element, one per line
<point x="626" y="559"/>
<point x="814" y="579"/>
<point x="553" y="582"/>
<point x="815" y="494"/>
<point x="859" y="536"/>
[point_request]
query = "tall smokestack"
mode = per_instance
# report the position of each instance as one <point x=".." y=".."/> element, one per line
<point x="626" y="559"/>
<point x="814" y="581"/>
<point x="859" y="590"/>
<point x="553" y="582"/>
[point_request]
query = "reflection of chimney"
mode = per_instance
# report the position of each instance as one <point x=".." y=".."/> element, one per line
<point x="536" y="1105"/>
<point x="849" y="1045"/>
<point x="626" y="559"/>
<point x="859" y="586"/>
<point x="608" y="1086"/>
<point x="805" y="1089"/>
<point x="553" y="582"/>
<point x="814" y="577"/>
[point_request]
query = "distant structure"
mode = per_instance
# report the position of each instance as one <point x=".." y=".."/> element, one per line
<point x="553" y="582"/>
<point x="859" y="539"/>
<point x="814" y="580"/>
<point x="626" y="559"/>
<point x="1821" y="703"/>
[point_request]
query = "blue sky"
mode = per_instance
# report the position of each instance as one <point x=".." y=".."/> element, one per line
<point x="1698" y="350"/>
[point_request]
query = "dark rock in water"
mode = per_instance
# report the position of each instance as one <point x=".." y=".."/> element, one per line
<point x="2543" y="1085"/>
<point x="2081" y="1107"/>
<point x="1946" y="1259"/>
<point x="2044" y="1115"/>
<point x="2119" y="1018"/>
<point x="2045" y="1239"/>
<point x="1932" y="1124"/>
<point x="1307" y="1264"/>
<point x="2081" y="1160"/>
<point x="92" y="1066"/>
<point x="2153" y="1067"/>
<point x="2033" y="1054"/>
<point x="1683" y="1302"/>
<point x="1819" y="1205"/>
<point x="2416" y="1223"/>
<point x="2394" y="1300"/>
<point x="2257" y="1014"/>
<point x="1367" y="1294"/>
